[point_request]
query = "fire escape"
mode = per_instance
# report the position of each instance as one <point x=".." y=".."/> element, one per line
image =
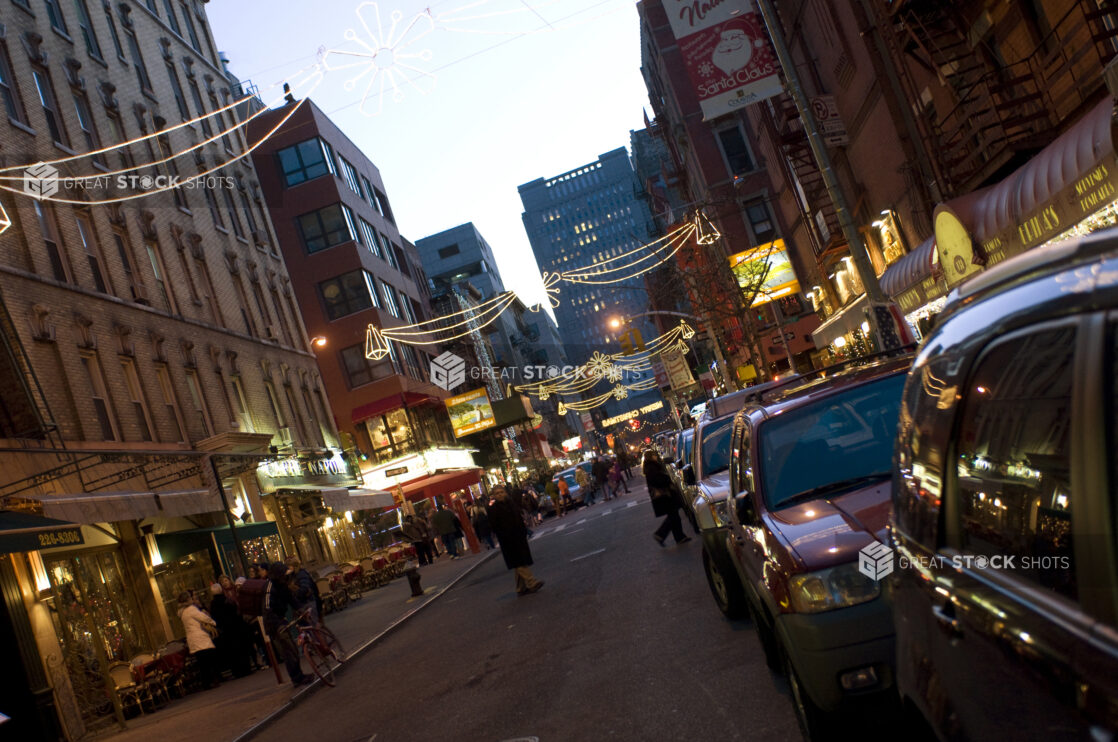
<point x="1005" y="110"/>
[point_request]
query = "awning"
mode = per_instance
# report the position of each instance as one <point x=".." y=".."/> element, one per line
<point x="178" y="544"/>
<point x="342" y="500"/>
<point x="910" y="269"/>
<point x="1067" y="181"/>
<point x="395" y="402"/>
<point x="848" y="319"/>
<point x="28" y="532"/>
<point x="107" y="507"/>
<point x="441" y="484"/>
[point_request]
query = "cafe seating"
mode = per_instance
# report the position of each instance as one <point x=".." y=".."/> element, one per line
<point x="368" y="574"/>
<point x="397" y="559"/>
<point x="127" y="690"/>
<point x="148" y="672"/>
<point x="351" y="580"/>
<point x="382" y="568"/>
<point x="331" y="600"/>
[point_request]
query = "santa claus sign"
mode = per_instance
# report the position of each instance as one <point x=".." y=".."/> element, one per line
<point x="726" y="52"/>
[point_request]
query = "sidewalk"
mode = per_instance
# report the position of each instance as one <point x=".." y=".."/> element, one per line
<point x="240" y="708"/>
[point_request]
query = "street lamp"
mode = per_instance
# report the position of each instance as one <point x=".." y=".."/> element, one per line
<point x="615" y="323"/>
<point x="318" y="341"/>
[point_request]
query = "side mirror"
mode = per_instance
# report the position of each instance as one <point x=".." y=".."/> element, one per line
<point x="689" y="476"/>
<point x="743" y="505"/>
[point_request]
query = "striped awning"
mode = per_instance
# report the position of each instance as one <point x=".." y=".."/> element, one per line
<point x="108" y="507"/>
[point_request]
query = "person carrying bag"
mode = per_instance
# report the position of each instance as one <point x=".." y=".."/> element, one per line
<point x="666" y="499"/>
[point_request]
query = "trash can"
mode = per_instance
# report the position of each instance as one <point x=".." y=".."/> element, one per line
<point x="411" y="571"/>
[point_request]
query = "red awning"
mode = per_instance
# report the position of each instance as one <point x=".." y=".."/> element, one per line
<point x="441" y="484"/>
<point x="395" y="402"/>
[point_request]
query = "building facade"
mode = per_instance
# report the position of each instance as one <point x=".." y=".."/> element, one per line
<point x="156" y="371"/>
<point x="352" y="268"/>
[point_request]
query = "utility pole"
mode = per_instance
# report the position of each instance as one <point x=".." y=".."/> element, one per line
<point x="858" y="252"/>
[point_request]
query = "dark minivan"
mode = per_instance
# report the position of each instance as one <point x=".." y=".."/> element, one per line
<point x="1005" y="584"/>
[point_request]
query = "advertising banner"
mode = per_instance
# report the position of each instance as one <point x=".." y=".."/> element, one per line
<point x="768" y="264"/>
<point x="726" y="51"/>
<point x="470" y="412"/>
<point x="679" y="373"/>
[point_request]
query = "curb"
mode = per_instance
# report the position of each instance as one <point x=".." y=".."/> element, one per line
<point x="317" y="684"/>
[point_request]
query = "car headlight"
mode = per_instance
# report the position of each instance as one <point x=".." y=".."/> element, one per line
<point x="828" y="589"/>
<point x="720" y="511"/>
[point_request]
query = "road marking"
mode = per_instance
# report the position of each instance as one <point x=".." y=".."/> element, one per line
<point x="558" y="528"/>
<point x="579" y="523"/>
<point x="599" y="551"/>
<point x="631" y="505"/>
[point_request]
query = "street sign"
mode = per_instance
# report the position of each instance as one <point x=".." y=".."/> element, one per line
<point x="826" y="113"/>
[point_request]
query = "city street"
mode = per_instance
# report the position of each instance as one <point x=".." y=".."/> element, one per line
<point x="622" y="643"/>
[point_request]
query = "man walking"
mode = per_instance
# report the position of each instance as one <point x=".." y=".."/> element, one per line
<point x="508" y="523"/>
<point x="446" y="523"/>
<point x="415" y="533"/>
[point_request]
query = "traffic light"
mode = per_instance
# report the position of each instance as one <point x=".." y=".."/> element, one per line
<point x="626" y="340"/>
<point x="638" y="341"/>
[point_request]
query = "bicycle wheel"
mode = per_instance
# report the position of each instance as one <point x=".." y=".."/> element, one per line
<point x="328" y="644"/>
<point x="319" y="662"/>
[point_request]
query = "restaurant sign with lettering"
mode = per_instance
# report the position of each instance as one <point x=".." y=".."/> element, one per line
<point x="27" y="532"/>
<point x="305" y="472"/>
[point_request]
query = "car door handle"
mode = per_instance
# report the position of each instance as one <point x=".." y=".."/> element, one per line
<point x="945" y="617"/>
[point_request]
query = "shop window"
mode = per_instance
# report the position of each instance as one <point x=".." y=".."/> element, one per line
<point x="1014" y="458"/>
<point x="326" y="228"/>
<point x="391" y="435"/>
<point x="348" y="293"/>
<point x="305" y="161"/>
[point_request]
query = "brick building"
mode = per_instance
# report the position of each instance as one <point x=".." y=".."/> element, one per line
<point x="148" y="345"/>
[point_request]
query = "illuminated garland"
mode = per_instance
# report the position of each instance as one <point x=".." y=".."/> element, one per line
<point x="618" y="392"/>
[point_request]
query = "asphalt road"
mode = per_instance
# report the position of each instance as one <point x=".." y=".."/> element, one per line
<point x="623" y="643"/>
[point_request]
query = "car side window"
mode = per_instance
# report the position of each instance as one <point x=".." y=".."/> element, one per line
<point x="1013" y="458"/>
<point x="743" y="472"/>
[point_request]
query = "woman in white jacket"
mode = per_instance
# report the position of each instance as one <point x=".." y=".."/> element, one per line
<point x="199" y="640"/>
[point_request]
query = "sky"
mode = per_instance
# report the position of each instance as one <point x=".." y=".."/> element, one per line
<point x="489" y="94"/>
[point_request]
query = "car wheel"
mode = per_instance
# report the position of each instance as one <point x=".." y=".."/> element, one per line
<point x="814" y="722"/>
<point x="767" y="638"/>
<point x="725" y="587"/>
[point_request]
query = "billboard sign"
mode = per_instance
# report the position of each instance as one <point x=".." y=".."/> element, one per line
<point x="679" y="373"/>
<point x="470" y="412"/>
<point x="770" y="265"/>
<point x="727" y="53"/>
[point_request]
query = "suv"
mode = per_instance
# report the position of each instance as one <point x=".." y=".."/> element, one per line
<point x="810" y="468"/>
<point x="1004" y="503"/>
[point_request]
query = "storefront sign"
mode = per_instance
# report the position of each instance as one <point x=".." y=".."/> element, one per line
<point x="305" y="471"/>
<point x="632" y="413"/>
<point x="726" y="51"/>
<point x="416" y="465"/>
<point x="766" y="272"/>
<point x="26" y="532"/>
<point x="396" y="472"/>
<point x="661" y="374"/>
<point x="572" y="444"/>
<point x="470" y="412"/>
<point x="918" y="295"/>
<point x="587" y="421"/>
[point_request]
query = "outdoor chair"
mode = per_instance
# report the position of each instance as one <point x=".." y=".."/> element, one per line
<point x="330" y="599"/>
<point x="126" y="688"/>
<point x="351" y="580"/>
<point x="382" y="568"/>
<point x="172" y="659"/>
<point x="368" y="574"/>
<point x="149" y="674"/>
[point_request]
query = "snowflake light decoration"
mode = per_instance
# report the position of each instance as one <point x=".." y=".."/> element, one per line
<point x="620" y="392"/>
<point x="551" y="289"/>
<point x="387" y="59"/>
<point x="598" y="365"/>
<point x="614" y="373"/>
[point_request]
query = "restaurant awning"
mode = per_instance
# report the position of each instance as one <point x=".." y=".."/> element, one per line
<point x="342" y="500"/>
<point x="29" y="532"/>
<point x="106" y="507"/>
<point x="1067" y="181"/>
<point x="915" y="279"/>
<point x="848" y="319"/>
<point x="178" y="544"/>
<point x="441" y="484"/>
<point x="395" y="402"/>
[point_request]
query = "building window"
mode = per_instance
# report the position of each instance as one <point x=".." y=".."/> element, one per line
<point x="172" y="19"/>
<point x="349" y="175"/>
<point x="137" y="59"/>
<point x="320" y="439"/>
<point x="361" y="370"/>
<point x="174" y="414"/>
<point x="113" y="32"/>
<point x="56" y="252"/>
<point x="735" y="150"/>
<point x="8" y="90"/>
<point x="100" y="397"/>
<point x="54" y="14"/>
<point x="346" y="294"/>
<point x="92" y="252"/>
<point x="240" y="405"/>
<point x="50" y="106"/>
<point x="757" y="213"/>
<point x="136" y="396"/>
<point x="176" y="88"/>
<point x="448" y="251"/>
<point x="233" y="218"/>
<point x="389" y="299"/>
<point x="305" y="161"/>
<point x="369" y="237"/>
<point x="273" y="402"/>
<point x="391" y="435"/>
<point x="380" y="201"/>
<point x="89" y="129"/>
<point x="160" y="273"/>
<point x="191" y="31"/>
<point x="198" y="401"/>
<point x="405" y="306"/>
<point x="326" y="228"/>
<point x="300" y="424"/>
<point x="389" y="253"/>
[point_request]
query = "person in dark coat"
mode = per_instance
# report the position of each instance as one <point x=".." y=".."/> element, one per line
<point x="479" y="517"/>
<point x="507" y="522"/>
<point x="666" y="500"/>
<point x="234" y="638"/>
<point x="278" y="601"/>
<point x="600" y="470"/>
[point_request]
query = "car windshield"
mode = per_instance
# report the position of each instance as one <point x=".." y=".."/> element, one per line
<point x="716" y="447"/>
<point x="844" y="438"/>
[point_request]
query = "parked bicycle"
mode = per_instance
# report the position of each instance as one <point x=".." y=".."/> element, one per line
<point x="318" y="645"/>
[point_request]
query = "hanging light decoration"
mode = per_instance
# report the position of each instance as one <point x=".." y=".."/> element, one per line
<point x="706" y="233"/>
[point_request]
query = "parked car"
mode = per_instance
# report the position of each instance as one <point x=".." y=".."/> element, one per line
<point x="1006" y="582"/>
<point x="682" y="456"/>
<point x="810" y="471"/>
<point x="575" y="491"/>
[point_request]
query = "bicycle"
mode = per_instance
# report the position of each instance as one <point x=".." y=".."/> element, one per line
<point x="318" y="645"/>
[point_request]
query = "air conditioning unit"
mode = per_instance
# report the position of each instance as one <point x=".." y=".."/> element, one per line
<point x="284" y="435"/>
<point x="140" y="294"/>
<point x="272" y="332"/>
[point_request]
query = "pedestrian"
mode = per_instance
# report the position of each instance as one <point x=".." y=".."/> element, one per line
<point x="617" y="477"/>
<point x="600" y="471"/>
<point x="432" y="535"/>
<point x="479" y="517"/>
<point x="201" y="630"/>
<point x="305" y="593"/>
<point x="552" y="490"/>
<point x="508" y="523"/>
<point x="666" y="499"/>
<point x="582" y="479"/>
<point x="626" y="460"/>
<point x="446" y="523"/>
<point x="415" y="533"/>
<point x="278" y="601"/>
<point x="565" y="493"/>
<point x="234" y="638"/>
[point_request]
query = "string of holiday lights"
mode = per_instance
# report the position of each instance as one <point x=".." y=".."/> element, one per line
<point x="618" y="392"/>
<point x="431" y="331"/>
<point x="596" y="275"/>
